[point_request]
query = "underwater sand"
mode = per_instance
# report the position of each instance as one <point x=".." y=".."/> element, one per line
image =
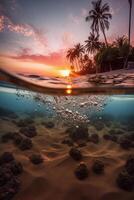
<point x="54" y="178"/>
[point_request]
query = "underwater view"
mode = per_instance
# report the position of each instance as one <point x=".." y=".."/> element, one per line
<point x="54" y="146"/>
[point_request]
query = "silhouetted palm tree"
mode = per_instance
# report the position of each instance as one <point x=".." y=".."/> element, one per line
<point x="92" y="43"/>
<point x="71" y="56"/>
<point x="99" y="17"/>
<point x="120" y="41"/>
<point x="130" y="16"/>
<point x="78" y="51"/>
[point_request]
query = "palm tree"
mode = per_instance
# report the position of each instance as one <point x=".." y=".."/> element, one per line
<point x="71" y="56"/>
<point x="130" y="16"/>
<point x="120" y="41"/>
<point x="78" y="53"/>
<point x="99" y="16"/>
<point x="129" y="33"/>
<point x="92" y="43"/>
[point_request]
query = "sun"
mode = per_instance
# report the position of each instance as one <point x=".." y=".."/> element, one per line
<point x="65" y="72"/>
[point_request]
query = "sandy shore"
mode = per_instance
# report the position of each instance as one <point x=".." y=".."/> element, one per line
<point x="55" y="178"/>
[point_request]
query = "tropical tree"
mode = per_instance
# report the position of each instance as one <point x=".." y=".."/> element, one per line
<point x="74" y="55"/>
<point x="123" y="46"/>
<point x="99" y="17"/>
<point x="107" y="56"/>
<point x="92" y="44"/>
<point x="120" y="41"/>
<point x="71" y="56"/>
<point x="78" y="54"/>
<point x="130" y="16"/>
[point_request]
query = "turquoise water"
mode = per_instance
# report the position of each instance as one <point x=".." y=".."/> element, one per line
<point x="117" y="107"/>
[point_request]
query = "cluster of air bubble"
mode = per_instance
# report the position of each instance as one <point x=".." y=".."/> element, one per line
<point x="76" y="109"/>
<point x="72" y="109"/>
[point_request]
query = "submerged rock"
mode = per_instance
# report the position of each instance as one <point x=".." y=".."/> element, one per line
<point x="29" y="131"/>
<point x="6" y="157"/>
<point x="36" y="159"/>
<point x="9" y="171"/>
<point x="25" y="122"/>
<point x="16" y="167"/>
<point x="7" y="137"/>
<point x="81" y="171"/>
<point x="98" y="167"/>
<point x="75" y="154"/>
<point x="129" y="166"/>
<point x="78" y="133"/>
<point x="125" y="181"/>
<point x="17" y="139"/>
<point x="25" y="144"/>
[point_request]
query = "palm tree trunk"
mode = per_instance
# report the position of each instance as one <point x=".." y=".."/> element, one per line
<point x="130" y="16"/>
<point x="129" y="33"/>
<point x="103" y="31"/>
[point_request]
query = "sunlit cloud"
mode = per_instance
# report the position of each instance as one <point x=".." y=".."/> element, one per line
<point x="25" y="29"/>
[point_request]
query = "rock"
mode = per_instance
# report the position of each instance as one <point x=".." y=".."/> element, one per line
<point x="16" y="167"/>
<point x="94" y="138"/>
<point x="25" y="144"/>
<point x="7" y="137"/>
<point x="17" y="139"/>
<point x="125" y="181"/>
<point x="9" y="182"/>
<point x="36" y="159"/>
<point x="98" y="167"/>
<point x="81" y="171"/>
<point x="29" y="131"/>
<point x="25" y="122"/>
<point x="75" y="154"/>
<point x="78" y="133"/>
<point x="129" y="166"/>
<point x="6" y="157"/>
<point x="67" y="141"/>
<point x="9" y="190"/>
<point x="5" y="175"/>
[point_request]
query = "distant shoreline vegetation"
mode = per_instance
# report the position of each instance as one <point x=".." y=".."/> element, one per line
<point x="94" y="56"/>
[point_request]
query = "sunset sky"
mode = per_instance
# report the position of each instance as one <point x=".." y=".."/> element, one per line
<point x="35" y="34"/>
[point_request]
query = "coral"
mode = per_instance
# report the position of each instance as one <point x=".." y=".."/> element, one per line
<point x="75" y="154"/>
<point x="125" y="181"/>
<point x="36" y="159"/>
<point x="78" y="133"/>
<point x="25" y="144"/>
<point x="81" y="171"/>
<point x="98" y="167"/>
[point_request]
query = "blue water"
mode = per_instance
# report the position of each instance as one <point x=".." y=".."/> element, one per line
<point x="117" y="106"/>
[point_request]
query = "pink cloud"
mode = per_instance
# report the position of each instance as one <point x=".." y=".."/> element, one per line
<point x="53" y="59"/>
<point x="1" y="23"/>
<point x="24" y="29"/>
